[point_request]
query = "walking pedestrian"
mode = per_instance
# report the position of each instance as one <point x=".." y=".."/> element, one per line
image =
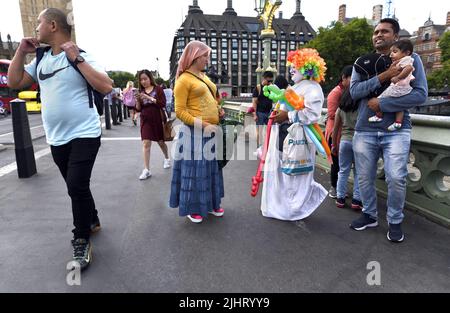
<point x="71" y="124"/>
<point x="169" y="100"/>
<point x="151" y="103"/>
<point x="129" y="99"/>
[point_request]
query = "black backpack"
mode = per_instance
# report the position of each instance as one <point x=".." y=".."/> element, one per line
<point x="371" y="65"/>
<point x="95" y="97"/>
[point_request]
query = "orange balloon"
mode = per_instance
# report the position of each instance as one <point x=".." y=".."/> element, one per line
<point x="296" y="101"/>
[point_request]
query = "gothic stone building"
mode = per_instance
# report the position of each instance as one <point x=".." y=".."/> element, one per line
<point x="237" y="50"/>
<point x="30" y="10"/>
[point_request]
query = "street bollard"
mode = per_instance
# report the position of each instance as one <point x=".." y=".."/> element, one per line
<point x="26" y="163"/>
<point x="107" y="114"/>
<point x="113" y="107"/>
<point x="119" y="110"/>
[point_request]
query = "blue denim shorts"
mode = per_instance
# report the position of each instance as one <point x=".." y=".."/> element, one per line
<point x="263" y="118"/>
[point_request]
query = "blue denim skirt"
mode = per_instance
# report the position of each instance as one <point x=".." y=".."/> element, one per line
<point x="197" y="182"/>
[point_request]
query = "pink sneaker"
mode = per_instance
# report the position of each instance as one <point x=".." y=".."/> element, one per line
<point x="196" y="219"/>
<point x="218" y="213"/>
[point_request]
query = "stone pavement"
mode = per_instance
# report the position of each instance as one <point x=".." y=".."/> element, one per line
<point x="145" y="247"/>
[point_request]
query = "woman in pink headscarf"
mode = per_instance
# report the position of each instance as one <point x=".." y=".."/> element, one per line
<point x="197" y="183"/>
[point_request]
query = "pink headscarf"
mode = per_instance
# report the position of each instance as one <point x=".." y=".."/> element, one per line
<point x="193" y="51"/>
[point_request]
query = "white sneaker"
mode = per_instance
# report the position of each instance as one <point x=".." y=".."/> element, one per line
<point x="145" y="174"/>
<point x="196" y="219"/>
<point x="394" y="127"/>
<point x="375" y="119"/>
<point x="167" y="164"/>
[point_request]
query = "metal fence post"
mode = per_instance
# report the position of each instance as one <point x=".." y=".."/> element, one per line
<point x="26" y="163"/>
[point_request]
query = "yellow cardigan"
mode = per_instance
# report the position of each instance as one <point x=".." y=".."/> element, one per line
<point x="193" y="99"/>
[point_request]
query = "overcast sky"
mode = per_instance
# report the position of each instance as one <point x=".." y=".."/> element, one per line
<point x="132" y="34"/>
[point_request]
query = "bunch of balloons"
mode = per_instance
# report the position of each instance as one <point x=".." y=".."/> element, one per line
<point x="295" y="102"/>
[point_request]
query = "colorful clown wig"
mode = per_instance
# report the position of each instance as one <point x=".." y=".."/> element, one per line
<point x="309" y="63"/>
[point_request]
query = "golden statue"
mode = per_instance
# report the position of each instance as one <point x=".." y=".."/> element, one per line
<point x="268" y="15"/>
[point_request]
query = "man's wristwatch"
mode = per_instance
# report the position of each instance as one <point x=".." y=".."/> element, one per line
<point x="79" y="59"/>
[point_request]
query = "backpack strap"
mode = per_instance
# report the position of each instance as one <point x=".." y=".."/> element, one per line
<point x="40" y="52"/>
<point x="212" y="92"/>
<point x="89" y="87"/>
<point x="259" y="87"/>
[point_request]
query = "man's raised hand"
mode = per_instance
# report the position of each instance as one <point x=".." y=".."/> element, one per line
<point x="28" y="45"/>
<point x="71" y="49"/>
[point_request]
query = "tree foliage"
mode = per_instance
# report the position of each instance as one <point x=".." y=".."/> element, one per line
<point x="340" y="45"/>
<point x="122" y="78"/>
<point x="440" y="78"/>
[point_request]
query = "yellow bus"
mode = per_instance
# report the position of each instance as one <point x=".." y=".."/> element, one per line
<point x="31" y="98"/>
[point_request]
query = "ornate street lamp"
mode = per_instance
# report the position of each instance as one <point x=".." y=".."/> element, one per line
<point x="259" y="6"/>
<point x="266" y="12"/>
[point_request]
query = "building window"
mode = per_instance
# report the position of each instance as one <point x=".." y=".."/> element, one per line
<point x="224" y="44"/>
<point x="244" y="44"/>
<point x="234" y="43"/>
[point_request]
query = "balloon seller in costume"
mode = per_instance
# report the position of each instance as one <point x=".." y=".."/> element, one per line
<point x="294" y="195"/>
